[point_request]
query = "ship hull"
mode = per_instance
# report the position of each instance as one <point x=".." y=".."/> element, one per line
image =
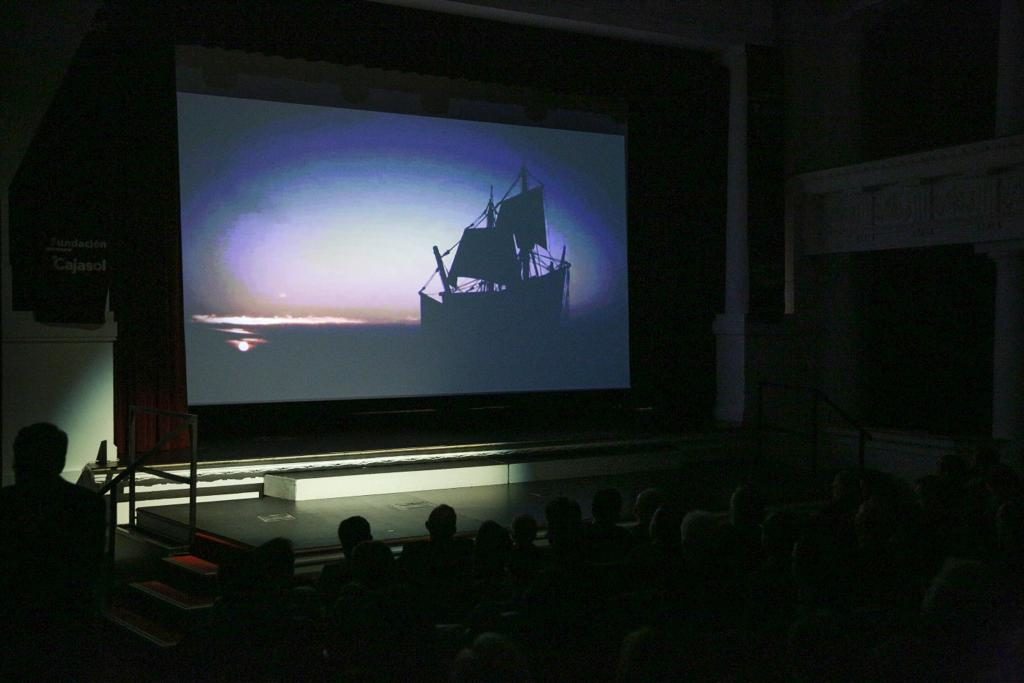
<point x="536" y="303"/>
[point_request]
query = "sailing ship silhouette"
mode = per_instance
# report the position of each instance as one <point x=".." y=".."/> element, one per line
<point x="502" y="277"/>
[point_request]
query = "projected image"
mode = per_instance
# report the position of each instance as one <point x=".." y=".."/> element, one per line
<point x="337" y="254"/>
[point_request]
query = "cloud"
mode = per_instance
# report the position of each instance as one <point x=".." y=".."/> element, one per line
<point x="256" y="321"/>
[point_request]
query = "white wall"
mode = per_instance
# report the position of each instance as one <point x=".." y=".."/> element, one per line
<point x="55" y="373"/>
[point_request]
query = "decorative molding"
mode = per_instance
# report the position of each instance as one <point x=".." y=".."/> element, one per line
<point x="993" y="153"/>
<point x="1011" y="193"/>
<point x="965" y="194"/>
<point x="696" y="24"/>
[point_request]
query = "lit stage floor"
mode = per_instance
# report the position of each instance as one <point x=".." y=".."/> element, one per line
<point x="394" y="517"/>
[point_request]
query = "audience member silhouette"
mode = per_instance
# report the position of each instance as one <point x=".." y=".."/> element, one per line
<point x="823" y="564"/>
<point x="647" y="503"/>
<point x="986" y="457"/>
<point x="605" y="540"/>
<point x="440" y="568"/>
<point x="979" y="502"/>
<point x="377" y="628"/>
<point x="261" y="627"/>
<point x="492" y="658"/>
<point x="648" y="656"/>
<point x="966" y="614"/>
<point x="882" y="579"/>
<point x="525" y="560"/>
<point x="953" y="468"/>
<point x="53" y="569"/>
<point x="655" y="567"/>
<point x="846" y="497"/>
<point x="769" y="595"/>
<point x="822" y="647"/>
<point x="443" y="552"/>
<point x="698" y="541"/>
<point x="373" y="565"/>
<point x="742" y="537"/>
<point x="1010" y="535"/>
<point x="1003" y="485"/>
<point x="351" y="532"/>
<point x="491" y="550"/>
<point x="493" y="587"/>
<point x="851" y="591"/>
<point x="524" y="531"/>
<point x="565" y="531"/>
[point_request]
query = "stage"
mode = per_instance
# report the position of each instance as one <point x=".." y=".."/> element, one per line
<point x="169" y="582"/>
<point x="394" y="517"/>
<point x="698" y="471"/>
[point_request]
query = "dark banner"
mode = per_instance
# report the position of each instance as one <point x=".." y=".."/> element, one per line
<point x="62" y="199"/>
<point x="72" y="279"/>
<point x="60" y="257"/>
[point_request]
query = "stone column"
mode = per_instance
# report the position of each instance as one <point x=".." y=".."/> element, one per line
<point x="1008" y="342"/>
<point x="730" y="326"/>
<point x="1008" y="346"/>
<point x="840" y="357"/>
<point x="1010" y="83"/>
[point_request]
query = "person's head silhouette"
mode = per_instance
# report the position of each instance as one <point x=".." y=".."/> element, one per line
<point x="39" y="451"/>
<point x="351" y="532"/>
<point x="441" y="523"/>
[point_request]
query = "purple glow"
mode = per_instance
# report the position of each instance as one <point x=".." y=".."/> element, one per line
<point x="299" y="210"/>
<point x="315" y="227"/>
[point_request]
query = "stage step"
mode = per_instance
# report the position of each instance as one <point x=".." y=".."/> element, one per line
<point x="175" y="597"/>
<point x="151" y="630"/>
<point x="163" y="610"/>
<point x="521" y="471"/>
<point x="193" y="565"/>
<point x="191" y="573"/>
<point x="368" y="480"/>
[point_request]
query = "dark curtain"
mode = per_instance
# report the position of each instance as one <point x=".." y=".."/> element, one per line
<point x="149" y="355"/>
<point x="103" y="167"/>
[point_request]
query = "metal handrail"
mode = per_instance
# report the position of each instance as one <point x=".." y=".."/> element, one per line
<point x="818" y="396"/>
<point x="136" y="463"/>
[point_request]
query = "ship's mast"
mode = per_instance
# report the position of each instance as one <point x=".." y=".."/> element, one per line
<point x="490" y="209"/>
<point x="489" y="286"/>
<point x="524" y="256"/>
<point x="441" y="270"/>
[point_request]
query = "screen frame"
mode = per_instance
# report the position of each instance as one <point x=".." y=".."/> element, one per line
<point x="234" y="73"/>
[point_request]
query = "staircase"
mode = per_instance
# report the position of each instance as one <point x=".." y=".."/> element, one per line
<point x="159" y="612"/>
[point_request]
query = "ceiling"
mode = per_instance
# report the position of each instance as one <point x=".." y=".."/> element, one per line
<point x="38" y="39"/>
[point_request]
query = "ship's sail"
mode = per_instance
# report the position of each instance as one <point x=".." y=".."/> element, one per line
<point x="486" y="254"/>
<point x="523" y="217"/>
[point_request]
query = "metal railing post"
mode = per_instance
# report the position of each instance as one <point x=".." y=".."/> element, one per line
<point x="862" y="434"/>
<point x="131" y="461"/>
<point x="114" y="485"/>
<point x="818" y="397"/>
<point x="759" y="452"/>
<point x="112" y="526"/>
<point x="131" y="499"/>
<point x="131" y="434"/>
<point x="193" y="479"/>
<point x="814" y="435"/>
